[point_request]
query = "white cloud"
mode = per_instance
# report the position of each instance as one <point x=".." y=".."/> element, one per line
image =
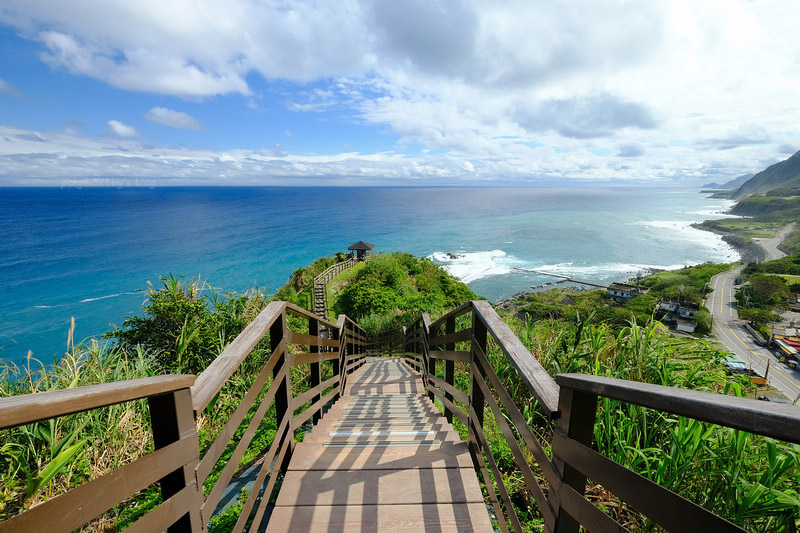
<point x="173" y="119"/>
<point x="123" y="130"/>
<point x="49" y="158"/>
<point x="677" y="89"/>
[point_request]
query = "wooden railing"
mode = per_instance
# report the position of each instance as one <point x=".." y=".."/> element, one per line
<point x="466" y="335"/>
<point x="177" y="403"/>
<point x="318" y="289"/>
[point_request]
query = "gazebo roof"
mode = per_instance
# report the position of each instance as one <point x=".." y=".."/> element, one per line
<point x="361" y="245"/>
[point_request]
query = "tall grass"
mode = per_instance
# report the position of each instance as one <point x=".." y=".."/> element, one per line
<point x="45" y="458"/>
<point x="751" y="480"/>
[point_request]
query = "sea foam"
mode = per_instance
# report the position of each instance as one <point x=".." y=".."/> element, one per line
<point x="471" y="266"/>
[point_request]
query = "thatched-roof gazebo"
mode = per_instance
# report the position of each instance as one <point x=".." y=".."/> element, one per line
<point x="361" y="248"/>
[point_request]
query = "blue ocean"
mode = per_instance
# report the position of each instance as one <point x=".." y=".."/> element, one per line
<point x="88" y="253"/>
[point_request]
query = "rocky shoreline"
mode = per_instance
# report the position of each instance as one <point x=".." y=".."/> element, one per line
<point x="749" y="251"/>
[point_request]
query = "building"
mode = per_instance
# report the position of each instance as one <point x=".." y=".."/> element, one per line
<point x="679" y="314"/>
<point x="622" y="292"/>
<point x="361" y="248"/>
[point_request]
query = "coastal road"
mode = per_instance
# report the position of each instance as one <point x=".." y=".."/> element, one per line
<point x="735" y="338"/>
<point x="770" y="246"/>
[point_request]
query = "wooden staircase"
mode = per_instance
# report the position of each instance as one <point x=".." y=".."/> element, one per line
<point x="320" y="301"/>
<point x="383" y="458"/>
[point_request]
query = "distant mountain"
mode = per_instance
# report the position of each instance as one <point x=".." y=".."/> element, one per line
<point x="712" y="185"/>
<point x="783" y="175"/>
<point x="736" y="183"/>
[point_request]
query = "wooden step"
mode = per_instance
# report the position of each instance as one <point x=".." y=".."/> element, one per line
<point x="317" y="456"/>
<point x="382" y="458"/>
<point x="379" y="487"/>
<point x="443" y="518"/>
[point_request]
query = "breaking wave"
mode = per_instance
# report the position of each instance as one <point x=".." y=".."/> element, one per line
<point x="471" y="266"/>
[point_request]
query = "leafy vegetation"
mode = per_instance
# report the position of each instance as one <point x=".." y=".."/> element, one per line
<point x="184" y="329"/>
<point x="181" y="331"/>
<point x="567" y="304"/>
<point x="750" y="480"/>
<point x="40" y="460"/>
<point x="766" y="288"/>
<point x="392" y="289"/>
<point x="689" y="284"/>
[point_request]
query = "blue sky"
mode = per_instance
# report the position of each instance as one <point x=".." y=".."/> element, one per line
<point x="387" y="93"/>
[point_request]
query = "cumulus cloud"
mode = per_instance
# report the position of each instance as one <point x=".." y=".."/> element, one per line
<point x="508" y="86"/>
<point x="173" y="119"/>
<point x="630" y="150"/>
<point x="123" y="130"/>
<point x="584" y="117"/>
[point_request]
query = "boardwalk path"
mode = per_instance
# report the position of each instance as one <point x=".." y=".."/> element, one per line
<point x="383" y="458"/>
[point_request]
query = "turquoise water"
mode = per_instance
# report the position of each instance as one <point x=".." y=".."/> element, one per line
<point x="85" y="253"/>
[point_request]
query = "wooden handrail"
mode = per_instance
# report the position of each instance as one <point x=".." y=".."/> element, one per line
<point x="538" y="381"/>
<point x="214" y="377"/>
<point x="762" y="418"/>
<point x="29" y="408"/>
<point x="570" y="399"/>
<point x="324" y="276"/>
<point x="176" y="401"/>
<point x="170" y="464"/>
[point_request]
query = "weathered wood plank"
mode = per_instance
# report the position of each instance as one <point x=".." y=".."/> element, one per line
<point x="233" y="463"/>
<point x="666" y="508"/>
<point x="539" y="382"/>
<point x="299" y="400"/>
<point x="458" y="357"/>
<point x="222" y="439"/>
<point x="309" y="358"/>
<point x="214" y="377"/>
<point x="592" y="518"/>
<point x="388" y="487"/>
<point x="18" y="410"/>
<point x="446" y="387"/>
<point x="459" y="336"/>
<point x="449" y="518"/>
<point x="531" y="440"/>
<point x="69" y="511"/>
<point x="763" y="418"/>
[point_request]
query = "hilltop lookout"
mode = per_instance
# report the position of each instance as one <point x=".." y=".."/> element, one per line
<point x="361" y="248"/>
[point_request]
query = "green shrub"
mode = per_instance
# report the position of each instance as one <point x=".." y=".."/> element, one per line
<point x="184" y="329"/>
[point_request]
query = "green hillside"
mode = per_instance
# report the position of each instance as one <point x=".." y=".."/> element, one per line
<point x="783" y="175"/>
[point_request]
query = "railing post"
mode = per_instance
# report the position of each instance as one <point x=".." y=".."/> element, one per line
<point x="449" y="366"/>
<point x="341" y="364"/>
<point x="172" y="419"/>
<point x="476" y="399"/>
<point x="278" y="333"/>
<point x="578" y="410"/>
<point x="314" y="377"/>
<point x="428" y="363"/>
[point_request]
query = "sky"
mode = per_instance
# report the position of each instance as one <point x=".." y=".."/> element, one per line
<point x="370" y="92"/>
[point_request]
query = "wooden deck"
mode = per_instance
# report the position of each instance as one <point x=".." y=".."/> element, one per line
<point x="382" y="459"/>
